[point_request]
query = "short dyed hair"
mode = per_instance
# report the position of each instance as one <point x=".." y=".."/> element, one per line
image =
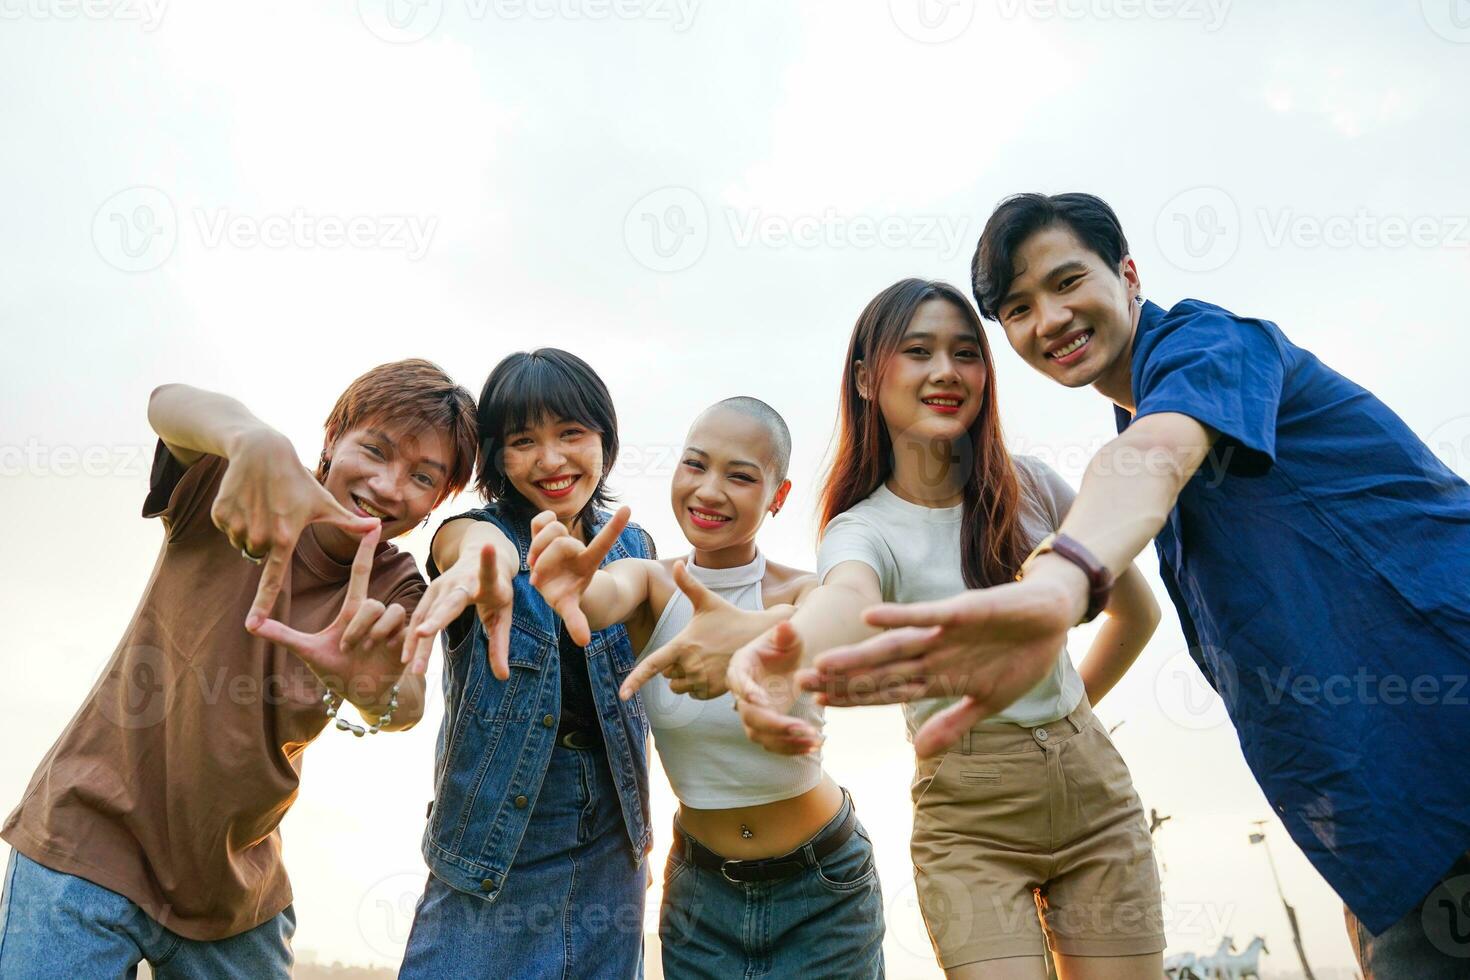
<point x="993" y="269"/>
<point x="768" y="417"/>
<point x="414" y="393"/>
<point x="526" y="387"/>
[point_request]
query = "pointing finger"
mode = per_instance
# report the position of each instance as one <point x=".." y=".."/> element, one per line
<point x="647" y="669"/>
<point x="606" y="538"/>
<point x="271" y="580"/>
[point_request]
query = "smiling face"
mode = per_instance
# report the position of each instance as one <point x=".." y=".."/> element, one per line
<point x="933" y="384"/>
<point x="394" y="473"/>
<point x="727" y="480"/>
<point x="555" y="465"/>
<point x="1068" y="314"/>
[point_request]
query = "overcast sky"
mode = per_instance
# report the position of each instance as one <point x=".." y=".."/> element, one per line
<point x="698" y="197"/>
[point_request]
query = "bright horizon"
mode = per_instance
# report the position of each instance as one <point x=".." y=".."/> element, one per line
<point x="698" y="198"/>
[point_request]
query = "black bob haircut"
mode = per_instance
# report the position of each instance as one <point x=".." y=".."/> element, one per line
<point x="525" y="388"/>
<point x="1020" y="216"/>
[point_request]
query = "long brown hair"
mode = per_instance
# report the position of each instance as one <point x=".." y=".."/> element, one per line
<point x="992" y="544"/>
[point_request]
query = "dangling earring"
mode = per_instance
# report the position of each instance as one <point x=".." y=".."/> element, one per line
<point x="325" y="463"/>
<point x="500" y="486"/>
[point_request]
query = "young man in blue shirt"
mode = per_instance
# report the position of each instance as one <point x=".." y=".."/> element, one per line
<point x="1317" y="552"/>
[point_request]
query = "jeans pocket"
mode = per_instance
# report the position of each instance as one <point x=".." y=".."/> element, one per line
<point x="850" y="866"/>
<point x="679" y="914"/>
<point x="674" y="867"/>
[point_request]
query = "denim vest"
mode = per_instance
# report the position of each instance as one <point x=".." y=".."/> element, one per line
<point x="497" y="737"/>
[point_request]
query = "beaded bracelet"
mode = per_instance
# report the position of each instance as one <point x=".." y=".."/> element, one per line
<point x="332" y="701"/>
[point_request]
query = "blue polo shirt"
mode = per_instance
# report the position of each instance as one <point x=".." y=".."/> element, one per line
<point x="1320" y="564"/>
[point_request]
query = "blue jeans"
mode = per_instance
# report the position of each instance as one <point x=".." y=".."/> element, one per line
<point x="59" y="925"/>
<point x="1432" y="942"/>
<point x="571" y="905"/>
<point x="826" y="921"/>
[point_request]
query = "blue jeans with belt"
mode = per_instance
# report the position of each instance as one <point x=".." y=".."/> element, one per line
<point x="825" y="921"/>
<point x="58" y="925"/>
<point x="571" y="905"/>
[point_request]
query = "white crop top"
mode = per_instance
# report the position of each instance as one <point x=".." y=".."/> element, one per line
<point x="709" y="761"/>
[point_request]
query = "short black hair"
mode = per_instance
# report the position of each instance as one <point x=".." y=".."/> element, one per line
<point x="526" y="387"/>
<point x="770" y="418"/>
<point x="1020" y="216"/>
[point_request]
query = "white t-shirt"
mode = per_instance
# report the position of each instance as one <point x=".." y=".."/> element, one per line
<point x="915" y="550"/>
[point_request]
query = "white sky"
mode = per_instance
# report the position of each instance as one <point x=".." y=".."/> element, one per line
<point x="698" y="197"/>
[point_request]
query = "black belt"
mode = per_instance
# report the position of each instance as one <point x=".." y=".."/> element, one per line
<point x="579" y="739"/>
<point x="773" y="868"/>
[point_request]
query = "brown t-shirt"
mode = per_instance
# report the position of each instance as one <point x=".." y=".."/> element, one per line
<point x="170" y="782"/>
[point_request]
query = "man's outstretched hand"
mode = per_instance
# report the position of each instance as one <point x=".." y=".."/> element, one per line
<point x="988" y="646"/>
<point x="266" y="499"/>
<point x="357" y="654"/>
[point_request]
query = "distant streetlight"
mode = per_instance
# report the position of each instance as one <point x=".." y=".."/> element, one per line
<point x="1259" y="837"/>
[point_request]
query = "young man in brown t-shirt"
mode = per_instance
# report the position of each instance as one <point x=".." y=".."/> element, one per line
<point x="149" y="831"/>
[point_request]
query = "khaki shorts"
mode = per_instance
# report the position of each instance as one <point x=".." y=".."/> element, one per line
<point x="1024" y="836"/>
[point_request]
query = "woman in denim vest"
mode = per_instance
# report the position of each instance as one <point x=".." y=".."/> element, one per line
<point x="540" y="821"/>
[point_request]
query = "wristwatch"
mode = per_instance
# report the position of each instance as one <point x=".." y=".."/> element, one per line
<point x="1099" y="579"/>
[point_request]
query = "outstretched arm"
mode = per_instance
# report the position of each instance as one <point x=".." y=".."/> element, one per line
<point x="697" y="659"/>
<point x="266" y="498"/>
<point x="617" y="591"/>
<point x="993" y="645"/>
<point x="763" y="674"/>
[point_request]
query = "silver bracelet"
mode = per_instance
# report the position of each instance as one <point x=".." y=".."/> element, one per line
<point x="332" y="701"/>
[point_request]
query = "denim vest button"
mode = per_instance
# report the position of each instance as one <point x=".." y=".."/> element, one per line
<point x="548" y="721"/>
<point x="487" y="885"/>
<point x="521" y="802"/>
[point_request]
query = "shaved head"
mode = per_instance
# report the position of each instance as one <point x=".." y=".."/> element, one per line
<point x="769" y="419"/>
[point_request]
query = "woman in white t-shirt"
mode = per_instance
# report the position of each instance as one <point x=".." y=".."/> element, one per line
<point x="770" y="872"/>
<point x="1028" y="833"/>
